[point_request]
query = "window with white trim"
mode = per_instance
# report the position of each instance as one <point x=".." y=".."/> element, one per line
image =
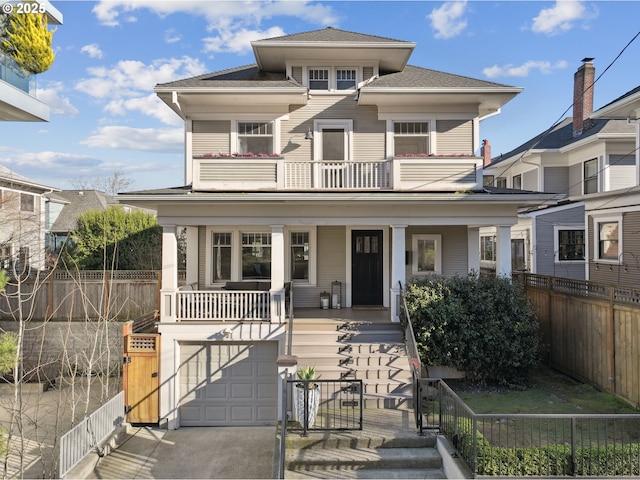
<point x="221" y="247"/>
<point x="6" y="256"/>
<point x="517" y="182"/>
<point x="501" y="182"/>
<point x="255" y="138"/>
<point x="426" y="254"/>
<point x="319" y="79"/>
<point x="569" y="243"/>
<point x="488" y="248"/>
<point x="607" y="233"/>
<point x="590" y="168"/>
<point x="518" y="260"/>
<point x="300" y="256"/>
<point x="411" y="138"/>
<point x="345" y="78"/>
<point x="256" y="255"/>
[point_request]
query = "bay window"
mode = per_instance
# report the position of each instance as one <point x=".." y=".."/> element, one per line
<point x="221" y="254"/>
<point x="256" y="256"/>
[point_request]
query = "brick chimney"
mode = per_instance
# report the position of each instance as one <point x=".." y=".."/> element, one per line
<point x="486" y="153"/>
<point x="583" y="95"/>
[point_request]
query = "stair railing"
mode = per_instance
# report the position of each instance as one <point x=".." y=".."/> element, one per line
<point x="417" y="370"/>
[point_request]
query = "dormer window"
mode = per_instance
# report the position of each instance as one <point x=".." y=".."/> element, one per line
<point x="345" y="79"/>
<point x="255" y="137"/>
<point x="318" y="79"/>
<point x="332" y="78"/>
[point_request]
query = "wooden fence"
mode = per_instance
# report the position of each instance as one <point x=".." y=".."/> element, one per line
<point x="120" y="295"/>
<point x="590" y="331"/>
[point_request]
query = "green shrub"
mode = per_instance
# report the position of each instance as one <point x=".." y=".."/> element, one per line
<point x="484" y="326"/>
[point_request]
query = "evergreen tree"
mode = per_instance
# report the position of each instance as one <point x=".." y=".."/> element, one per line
<point x="27" y="39"/>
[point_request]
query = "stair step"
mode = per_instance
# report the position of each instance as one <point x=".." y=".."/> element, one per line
<point x="359" y="458"/>
<point x="357" y="348"/>
<point x="370" y="473"/>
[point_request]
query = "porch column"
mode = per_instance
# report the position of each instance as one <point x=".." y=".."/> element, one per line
<point x="398" y="270"/>
<point x="192" y="255"/>
<point x="277" y="273"/>
<point x="473" y="250"/>
<point x="503" y="251"/>
<point x="169" y="274"/>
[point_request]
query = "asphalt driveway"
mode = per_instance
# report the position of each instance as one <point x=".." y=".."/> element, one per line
<point x="192" y="452"/>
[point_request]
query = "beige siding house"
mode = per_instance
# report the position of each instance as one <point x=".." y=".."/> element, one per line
<point x="330" y="166"/>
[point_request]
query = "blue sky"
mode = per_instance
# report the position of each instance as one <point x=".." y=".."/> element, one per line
<point x="110" y="54"/>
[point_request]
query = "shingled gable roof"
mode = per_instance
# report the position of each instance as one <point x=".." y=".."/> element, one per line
<point x="12" y="179"/>
<point x="561" y="135"/>
<point x="418" y="77"/>
<point x="330" y="34"/>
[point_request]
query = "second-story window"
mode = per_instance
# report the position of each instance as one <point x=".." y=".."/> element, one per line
<point x="517" y="182"/>
<point x="345" y="79"/>
<point x="411" y="138"/>
<point x="318" y="79"/>
<point x="255" y="137"/>
<point x="26" y="202"/>
<point x="591" y="176"/>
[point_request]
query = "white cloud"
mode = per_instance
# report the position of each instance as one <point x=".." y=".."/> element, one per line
<point x="172" y="36"/>
<point x="59" y="104"/>
<point x="131" y="77"/>
<point x="150" y="105"/>
<point x="447" y="20"/>
<point x="510" y="70"/>
<point x="561" y="17"/>
<point x="239" y="41"/>
<point x="142" y="139"/>
<point x="93" y="50"/>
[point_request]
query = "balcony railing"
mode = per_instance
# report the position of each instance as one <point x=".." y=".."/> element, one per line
<point x="11" y="73"/>
<point x="432" y="173"/>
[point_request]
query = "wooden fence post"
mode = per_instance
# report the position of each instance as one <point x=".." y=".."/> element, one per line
<point x="612" y="339"/>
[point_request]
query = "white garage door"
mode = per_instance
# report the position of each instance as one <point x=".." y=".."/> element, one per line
<point x="228" y="383"/>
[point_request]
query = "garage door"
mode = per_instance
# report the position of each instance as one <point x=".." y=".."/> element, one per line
<point x="228" y="383"/>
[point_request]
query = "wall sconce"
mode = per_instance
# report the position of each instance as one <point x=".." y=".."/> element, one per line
<point x="226" y="333"/>
<point x="307" y="136"/>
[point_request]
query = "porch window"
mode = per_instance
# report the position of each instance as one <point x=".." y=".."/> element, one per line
<point x="427" y="254"/>
<point x="345" y="79"/>
<point x="318" y="79"/>
<point x="255" y="138"/>
<point x="570" y="244"/>
<point x="300" y="256"/>
<point x="487" y="248"/>
<point x="411" y="138"/>
<point x="256" y="256"/>
<point x="27" y="203"/>
<point x="221" y="243"/>
<point x="591" y="176"/>
<point x="608" y="240"/>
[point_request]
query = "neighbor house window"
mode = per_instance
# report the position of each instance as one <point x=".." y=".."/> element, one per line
<point x="255" y="137"/>
<point x="256" y="255"/>
<point x="487" y="248"/>
<point x="345" y="79"/>
<point x="591" y="176"/>
<point x="501" y="182"/>
<point x="517" y="182"/>
<point x="570" y="244"/>
<point x="427" y="254"/>
<point x="221" y="246"/>
<point x="5" y="256"/>
<point x="26" y="202"/>
<point x="411" y="138"/>
<point x="300" y="256"/>
<point x="608" y="238"/>
<point x="518" y="261"/>
<point x="318" y="79"/>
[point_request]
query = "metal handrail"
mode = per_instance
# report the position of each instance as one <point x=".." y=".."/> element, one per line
<point x="283" y="426"/>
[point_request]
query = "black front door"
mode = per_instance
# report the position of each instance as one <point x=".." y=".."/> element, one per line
<point x="366" y="267"/>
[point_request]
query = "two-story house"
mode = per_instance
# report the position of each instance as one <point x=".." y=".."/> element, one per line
<point x="578" y="157"/>
<point x="612" y="218"/>
<point x="329" y="160"/>
<point x="22" y="223"/>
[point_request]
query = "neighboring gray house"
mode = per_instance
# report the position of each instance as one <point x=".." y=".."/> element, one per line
<point x="580" y="156"/>
<point x="329" y="160"/>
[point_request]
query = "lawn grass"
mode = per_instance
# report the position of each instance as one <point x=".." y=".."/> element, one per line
<point x="550" y="392"/>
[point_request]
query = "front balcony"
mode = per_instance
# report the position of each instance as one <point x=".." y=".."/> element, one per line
<point x="428" y="173"/>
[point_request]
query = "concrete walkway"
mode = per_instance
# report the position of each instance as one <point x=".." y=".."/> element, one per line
<point x="192" y="452"/>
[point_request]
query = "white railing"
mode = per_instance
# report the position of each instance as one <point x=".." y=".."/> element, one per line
<point x="224" y="305"/>
<point x="337" y="175"/>
<point x="90" y="433"/>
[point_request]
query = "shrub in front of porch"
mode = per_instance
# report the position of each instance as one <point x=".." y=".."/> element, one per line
<point x="484" y="326"/>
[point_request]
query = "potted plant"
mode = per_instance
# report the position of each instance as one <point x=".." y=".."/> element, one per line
<point x="312" y="395"/>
